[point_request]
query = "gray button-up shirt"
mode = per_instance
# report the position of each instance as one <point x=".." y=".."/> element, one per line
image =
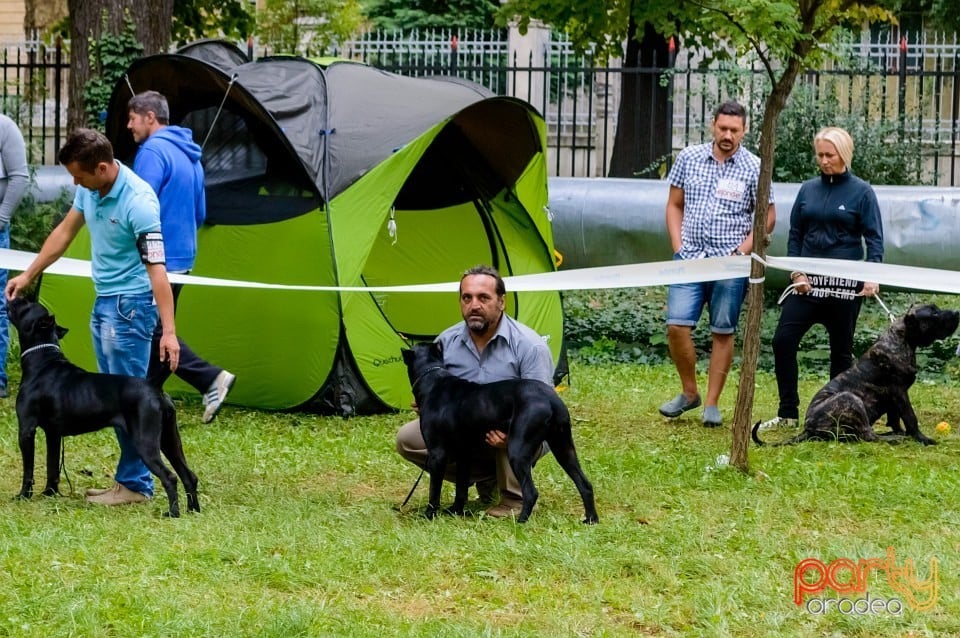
<point x="515" y="352"/>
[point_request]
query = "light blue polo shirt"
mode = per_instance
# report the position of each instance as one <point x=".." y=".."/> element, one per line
<point x="115" y="221"/>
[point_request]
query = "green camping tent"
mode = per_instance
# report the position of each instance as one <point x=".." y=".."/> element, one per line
<point x="307" y="162"/>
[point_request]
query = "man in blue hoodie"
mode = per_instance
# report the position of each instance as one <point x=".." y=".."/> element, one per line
<point x="169" y="160"/>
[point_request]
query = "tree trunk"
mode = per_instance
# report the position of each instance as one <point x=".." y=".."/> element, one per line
<point x="742" y="413"/>
<point x="644" y="133"/>
<point x="152" y="22"/>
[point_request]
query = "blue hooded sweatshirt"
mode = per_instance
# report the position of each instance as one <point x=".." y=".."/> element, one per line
<point x="169" y="160"/>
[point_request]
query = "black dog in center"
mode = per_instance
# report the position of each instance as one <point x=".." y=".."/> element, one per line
<point x="65" y="400"/>
<point x="877" y="384"/>
<point x="455" y="414"/>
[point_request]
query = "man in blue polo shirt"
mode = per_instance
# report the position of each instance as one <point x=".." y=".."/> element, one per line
<point x="127" y="261"/>
<point x="713" y="194"/>
<point x="488" y="345"/>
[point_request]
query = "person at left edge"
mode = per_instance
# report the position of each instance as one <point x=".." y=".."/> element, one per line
<point x="122" y="214"/>
<point x="14" y="179"/>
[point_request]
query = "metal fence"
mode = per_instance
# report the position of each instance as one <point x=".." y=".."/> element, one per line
<point x="910" y="79"/>
<point x="35" y="97"/>
<point x="913" y="80"/>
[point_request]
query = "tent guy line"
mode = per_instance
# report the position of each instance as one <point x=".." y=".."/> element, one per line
<point x="605" y="277"/>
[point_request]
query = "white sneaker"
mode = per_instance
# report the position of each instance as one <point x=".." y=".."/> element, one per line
<point x="216" y="395"/>
<point x="779" y="423"/>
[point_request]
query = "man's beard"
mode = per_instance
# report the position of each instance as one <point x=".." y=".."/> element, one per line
<point x="477" y="324"/>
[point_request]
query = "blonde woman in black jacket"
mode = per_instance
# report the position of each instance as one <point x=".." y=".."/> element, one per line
<point x="833" y="216"/>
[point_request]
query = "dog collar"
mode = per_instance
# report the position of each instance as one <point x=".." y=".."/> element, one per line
<point x="39" y="347"/>
<point x="420" y="378"/>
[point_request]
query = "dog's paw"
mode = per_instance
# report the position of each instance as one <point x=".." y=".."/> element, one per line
<point x="591" y="520"/>
<point x="926" y="440"/>
<point x="431" y="512"/>
<point x="23" y="497"/>
<point x="453" y="511"/>
<point x="50" y="491"/>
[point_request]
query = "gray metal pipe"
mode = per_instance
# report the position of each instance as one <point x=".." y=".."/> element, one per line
<point x="50" y="182"/>
<point x="607" y="222"/>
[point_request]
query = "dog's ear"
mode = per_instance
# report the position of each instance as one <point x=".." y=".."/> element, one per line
<point x="407" y="355"/>
<point x="437" y="348"/>
<point x="61" y="331"/>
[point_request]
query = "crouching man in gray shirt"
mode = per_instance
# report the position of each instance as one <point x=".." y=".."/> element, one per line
<point x="488" y="346"/>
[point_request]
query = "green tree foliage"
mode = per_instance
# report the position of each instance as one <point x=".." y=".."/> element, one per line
<point x="941" y="15"/>
<point x="406" y="15"/>
<point x="308" y="27"/>
<point x="197" y="19"/>
<point x="110" y="57"/>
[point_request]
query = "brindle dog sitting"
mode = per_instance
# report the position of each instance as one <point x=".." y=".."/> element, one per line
<point x="877" y="384"/>
<point x="456" y="413"/>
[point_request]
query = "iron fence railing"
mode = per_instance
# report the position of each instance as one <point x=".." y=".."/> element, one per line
<point x="34" y="95"/>
<point x="912" y="80"/>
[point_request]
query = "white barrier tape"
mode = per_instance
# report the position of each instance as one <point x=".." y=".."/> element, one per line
<point x="912" y="277"/>
<point x="626" y="276"/>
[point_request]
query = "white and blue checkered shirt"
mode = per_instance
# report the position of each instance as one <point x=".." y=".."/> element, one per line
<point x="718" y="199"/>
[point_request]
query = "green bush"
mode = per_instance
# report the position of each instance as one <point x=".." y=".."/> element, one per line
<point x="882" y="155"/>
<point x="627" y="326"/>
<point x="33" y="220"/>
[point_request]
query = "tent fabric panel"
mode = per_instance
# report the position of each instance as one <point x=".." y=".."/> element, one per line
<point x="219" y="53"/>
<point x="374" y="113"/>
<point x="293" y="90"/>
<point x="531" y="190"/>
<point x="283" y="341"/>
<point x="70" y="300"/>
<point x="376" y="349"/>
<point x="361" y="212"/>
<point x="430" y="246"/>
<point x="502" y="131"/>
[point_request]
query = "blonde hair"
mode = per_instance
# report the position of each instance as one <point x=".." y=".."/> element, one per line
<point x="840" y="139"/>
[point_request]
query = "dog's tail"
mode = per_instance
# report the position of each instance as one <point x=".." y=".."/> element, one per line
<point x="803" y="436"/>
<point x="753" y="434"/>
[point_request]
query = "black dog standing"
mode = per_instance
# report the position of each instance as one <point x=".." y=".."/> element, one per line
<point x="65" y="400"/>
<point x="456" y="413"/>
<point x="878" y="384"/>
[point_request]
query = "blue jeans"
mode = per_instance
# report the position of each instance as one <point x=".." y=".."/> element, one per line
<point x="122" y="326"/>
<point x="4" y="322"/>
<point x="724" y="297"/>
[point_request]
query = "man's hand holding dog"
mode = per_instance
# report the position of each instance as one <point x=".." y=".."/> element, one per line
<point x="497" y="439"/>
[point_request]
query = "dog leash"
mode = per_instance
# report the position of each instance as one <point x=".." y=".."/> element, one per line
<point x="412" y="490"/>
<point x="63" y="465"/>
<point x="892" y="317"/>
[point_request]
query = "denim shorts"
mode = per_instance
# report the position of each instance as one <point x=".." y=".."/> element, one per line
<point x="724" y="298"/>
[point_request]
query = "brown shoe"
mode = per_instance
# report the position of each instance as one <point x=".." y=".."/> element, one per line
<point x="97" y="491"/>
<point x="506" y="508"/>
<point x="117" y="495"/>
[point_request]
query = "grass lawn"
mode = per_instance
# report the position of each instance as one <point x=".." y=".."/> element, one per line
<point x="299" y="535"/>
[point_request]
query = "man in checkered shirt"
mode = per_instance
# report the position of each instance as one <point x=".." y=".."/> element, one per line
<point x="713" y="194"/>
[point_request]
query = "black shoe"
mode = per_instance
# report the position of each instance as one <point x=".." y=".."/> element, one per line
<point x="487" y="491"/>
